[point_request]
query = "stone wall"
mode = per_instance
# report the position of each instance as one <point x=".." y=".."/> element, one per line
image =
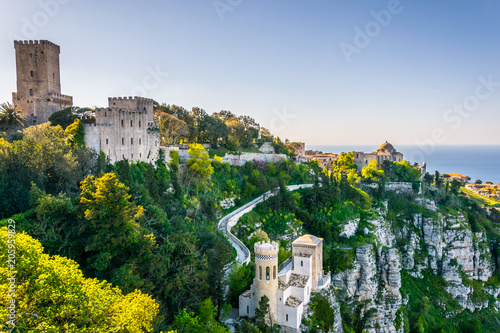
<point x="239" y="160"/>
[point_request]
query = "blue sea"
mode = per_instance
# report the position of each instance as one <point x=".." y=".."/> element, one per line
<point x="476" y="161"/>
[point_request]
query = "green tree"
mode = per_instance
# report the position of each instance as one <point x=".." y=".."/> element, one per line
<point x="110" y="232"/>
<point x="371" y="172"/>
<point x="205" y="322"/>
<point x="54" y="288"/>
<point x="10" y="116"/>
<point x="199" y="164"/>
<point x="75" y="134"/>
<point x="63" y="118"/>
<point x="239" y="279"/>
<point x="172" y="129"/>
<point x="438" y="181"/>
<point x="263" y="317"/>
<point x="42" y="156"/>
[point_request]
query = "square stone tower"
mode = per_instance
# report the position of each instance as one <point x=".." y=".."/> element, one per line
<point x="38" y="80"/>
<point x="125" y="130"/>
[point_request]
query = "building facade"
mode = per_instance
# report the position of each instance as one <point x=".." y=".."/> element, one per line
<point x="125" y="130"/>
<point x="385" y="152"/>
<point x="38" y="93"/>
<point x="288" y="290"/>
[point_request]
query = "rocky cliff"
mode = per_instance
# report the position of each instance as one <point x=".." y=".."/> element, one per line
<point x="435" y="242"/>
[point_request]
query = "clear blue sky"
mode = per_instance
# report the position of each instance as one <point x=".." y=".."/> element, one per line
<point x="281" y="62"/>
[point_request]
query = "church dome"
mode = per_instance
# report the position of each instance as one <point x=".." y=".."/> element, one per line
<point x="386" y="146"/>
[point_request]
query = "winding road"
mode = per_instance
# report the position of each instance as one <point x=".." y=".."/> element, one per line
<point x="230" y="220"/>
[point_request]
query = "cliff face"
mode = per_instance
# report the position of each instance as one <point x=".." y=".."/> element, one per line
<point x="440" y="243"/>
<point x="376" y="282"/>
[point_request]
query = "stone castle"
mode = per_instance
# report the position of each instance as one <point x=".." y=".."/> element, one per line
<point x="123" y="130"/>
<point x="288" y="290"/>
<point x="38" y="80"/>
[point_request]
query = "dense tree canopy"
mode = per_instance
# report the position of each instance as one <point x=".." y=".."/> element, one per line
<point x="52" y="295"/>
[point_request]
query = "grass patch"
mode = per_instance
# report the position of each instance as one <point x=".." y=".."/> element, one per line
<point x="481" y="200"/>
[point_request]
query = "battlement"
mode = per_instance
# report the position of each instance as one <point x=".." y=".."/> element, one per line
<point x="266" y="248"/>
<point x="131" y="104"/>
<point x="129" y="98"/>
<point x="61" y="97"/>
<point x="30" y="43"/>
<point x="120" y="110"/>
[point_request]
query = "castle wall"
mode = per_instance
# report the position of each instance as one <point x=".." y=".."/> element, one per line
<point x="92" y="137"/>
<point x="125" y="130"/>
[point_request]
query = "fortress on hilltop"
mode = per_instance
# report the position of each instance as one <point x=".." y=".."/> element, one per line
<point x="38" y="93"/>
<point x="125" y="130"/>
<point x="288" y="290"/>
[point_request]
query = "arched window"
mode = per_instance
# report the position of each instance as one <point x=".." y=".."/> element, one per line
<point x="122" y="122"/>
<point x="260" y="272"/>
<point x="274" y="272"/>
<point x="140" y="141"/>
<point x="267" y="273"/>
<point x="139" y="123"/>
<point x="131" y="123"/>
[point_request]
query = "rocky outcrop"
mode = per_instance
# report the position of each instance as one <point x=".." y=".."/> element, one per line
<point x="330" y="295"/>
<point x="443" y="243"/>
<point x="375" y="281"/>
<point x="389" y="299"/>
<point x="452" y="250"/>
<point x="359" y="283"/>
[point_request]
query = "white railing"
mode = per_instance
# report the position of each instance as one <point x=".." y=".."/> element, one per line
<point x="227" y="222"/>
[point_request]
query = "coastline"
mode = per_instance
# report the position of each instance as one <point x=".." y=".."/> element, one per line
<point x="476" y="161"/>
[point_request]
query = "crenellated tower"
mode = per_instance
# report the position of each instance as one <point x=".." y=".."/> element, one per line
<point x="125" y="130"/>
<point x="38" y="80"/>
<point x="266" y="274"/>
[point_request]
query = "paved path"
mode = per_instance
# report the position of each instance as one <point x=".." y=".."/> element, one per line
<point x="230" y="220"/>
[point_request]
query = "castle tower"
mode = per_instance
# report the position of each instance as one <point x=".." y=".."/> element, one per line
<point x="266" y="274"/>
<point x="125" y="130"/>
<point x="309" y="246"/>
<point x="38" y="80"/>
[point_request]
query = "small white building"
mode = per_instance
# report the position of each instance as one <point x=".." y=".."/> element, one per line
<point x="288" y="290"/>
